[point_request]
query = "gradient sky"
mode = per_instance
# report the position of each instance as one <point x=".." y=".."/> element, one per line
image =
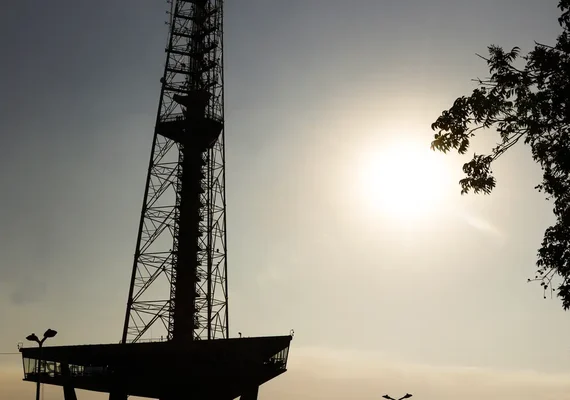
<point x="436" y="305"/>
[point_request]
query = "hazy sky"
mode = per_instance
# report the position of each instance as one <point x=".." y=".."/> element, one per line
<point x="435" y="303"/>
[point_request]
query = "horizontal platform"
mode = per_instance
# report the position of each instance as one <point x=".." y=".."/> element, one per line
<point x="201" y="133"/>
<point x="213" y="369"/>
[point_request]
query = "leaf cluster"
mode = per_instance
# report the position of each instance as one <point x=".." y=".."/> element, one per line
<point x="524" y="99"/>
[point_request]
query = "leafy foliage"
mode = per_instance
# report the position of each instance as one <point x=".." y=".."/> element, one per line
<point x="525" y="99"/>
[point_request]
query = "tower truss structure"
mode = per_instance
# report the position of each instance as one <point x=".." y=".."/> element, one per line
<point x="178" y="286"/>
<point x="179" y="279"/>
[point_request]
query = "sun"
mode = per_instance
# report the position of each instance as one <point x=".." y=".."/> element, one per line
<point x="404" y="180"/>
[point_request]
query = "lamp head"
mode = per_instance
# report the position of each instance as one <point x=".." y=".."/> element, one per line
<point x="33" y="338"/>
<point x="50" y="333"/>
<point x="407" y="396"/>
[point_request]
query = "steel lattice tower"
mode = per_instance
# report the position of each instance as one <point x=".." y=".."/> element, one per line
<point x="179" y="278"/>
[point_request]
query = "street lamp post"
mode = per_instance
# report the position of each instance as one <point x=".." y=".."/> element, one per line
<point x="406" y="396"/>
<point x="33" y="338"/>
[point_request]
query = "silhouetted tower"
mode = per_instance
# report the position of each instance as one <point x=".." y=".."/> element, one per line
<point x="178" y="285"/>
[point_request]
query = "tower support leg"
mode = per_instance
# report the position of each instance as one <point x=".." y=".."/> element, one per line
<point x="116" y="395"/>
<point x="69" y="392"/>
<point x="68" y="389"/>
<point x="251" y="394"/>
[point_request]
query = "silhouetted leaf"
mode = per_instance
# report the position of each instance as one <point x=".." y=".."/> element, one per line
<point x="531" y="103"/>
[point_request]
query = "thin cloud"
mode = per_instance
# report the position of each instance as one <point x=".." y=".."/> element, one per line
<point x="330" y="374"/>
<point x="484" y="226"/>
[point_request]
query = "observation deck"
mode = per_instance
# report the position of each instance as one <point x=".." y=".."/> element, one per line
<point x="221" y="369"/>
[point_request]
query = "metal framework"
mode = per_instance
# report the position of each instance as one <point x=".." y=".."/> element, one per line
<point x="179" y="281"/>
<point x="178" y="287"/>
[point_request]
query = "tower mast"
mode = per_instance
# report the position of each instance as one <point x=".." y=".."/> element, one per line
<point x="179" y="277"/>
<point x="178" y="285"/>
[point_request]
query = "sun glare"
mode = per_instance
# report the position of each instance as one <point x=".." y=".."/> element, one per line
<point x="403" y="180"/>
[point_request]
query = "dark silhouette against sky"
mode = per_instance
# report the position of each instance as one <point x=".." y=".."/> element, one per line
<point x="318" y="94"/>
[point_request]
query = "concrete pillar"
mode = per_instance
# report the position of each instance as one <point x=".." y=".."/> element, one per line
<point x="69" y="392"/>
<point x="117" y="396"/>
<point x="68" y="389"/>
<point x="250" y="394"/>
